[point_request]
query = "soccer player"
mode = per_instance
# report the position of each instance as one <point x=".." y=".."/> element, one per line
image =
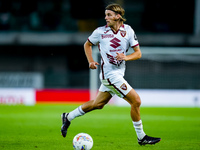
<point x="113" y="41"/>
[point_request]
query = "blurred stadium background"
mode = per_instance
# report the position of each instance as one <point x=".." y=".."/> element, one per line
<point x="42" y="57"/>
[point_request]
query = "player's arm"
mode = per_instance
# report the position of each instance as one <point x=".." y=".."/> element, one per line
<point x="88" y="53"/>
<point x="137" y="54"/>
<point x="134" y="56"/>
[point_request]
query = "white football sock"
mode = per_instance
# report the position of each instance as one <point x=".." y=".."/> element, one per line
<point x="75" y="113"/>
<point x="139" y="129"/>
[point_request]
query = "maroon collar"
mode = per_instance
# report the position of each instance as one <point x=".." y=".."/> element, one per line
<point x="121" y="29"/>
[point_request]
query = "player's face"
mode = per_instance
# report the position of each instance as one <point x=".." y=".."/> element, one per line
<point x="110" y="18"/>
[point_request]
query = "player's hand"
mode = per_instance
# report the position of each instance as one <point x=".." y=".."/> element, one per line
<point x="120" y="56"/>
<point x="92" y="65"/>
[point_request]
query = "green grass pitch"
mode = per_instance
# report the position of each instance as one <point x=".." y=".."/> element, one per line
<point x="38" y="127"/>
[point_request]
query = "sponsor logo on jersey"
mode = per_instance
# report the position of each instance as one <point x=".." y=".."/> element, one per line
<point x="107" y="36"/>
<point x="115" y="50"/>
<point x="114" y="61"/>
<point x="106" y="31"/>
<point x="123" y="33"/>
<point x="115" y="43"/>
<point x="123" y="86"/>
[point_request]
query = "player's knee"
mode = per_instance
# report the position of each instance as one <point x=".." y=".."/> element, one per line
<point x="98" y="106"/>
<point x="137" y="101"/>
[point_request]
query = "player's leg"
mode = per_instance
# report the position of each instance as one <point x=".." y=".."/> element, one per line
<point x="101" y="99"/>
<point x="99" y="102"/>
<point x="134" y="100"/>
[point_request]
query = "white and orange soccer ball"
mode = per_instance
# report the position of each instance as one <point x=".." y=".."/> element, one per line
<point x="82" y="141"/>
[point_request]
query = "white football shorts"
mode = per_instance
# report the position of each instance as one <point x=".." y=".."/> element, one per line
<point x="116" y="86"/>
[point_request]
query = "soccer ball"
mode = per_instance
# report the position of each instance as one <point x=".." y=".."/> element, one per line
<point x="82" y="141"/>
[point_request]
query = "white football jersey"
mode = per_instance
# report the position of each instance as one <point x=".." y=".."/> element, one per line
<point x="109" y="43"/>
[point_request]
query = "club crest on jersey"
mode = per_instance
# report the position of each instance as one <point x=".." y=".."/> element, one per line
<point x="123" y="33"/>
<point x="123" y="86"/>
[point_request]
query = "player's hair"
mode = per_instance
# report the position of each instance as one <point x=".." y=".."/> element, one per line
<point x="117" y="9"/>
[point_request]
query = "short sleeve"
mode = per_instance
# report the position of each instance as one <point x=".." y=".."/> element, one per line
<point x="94" y="37"/>
<point x="133" y="38"/>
